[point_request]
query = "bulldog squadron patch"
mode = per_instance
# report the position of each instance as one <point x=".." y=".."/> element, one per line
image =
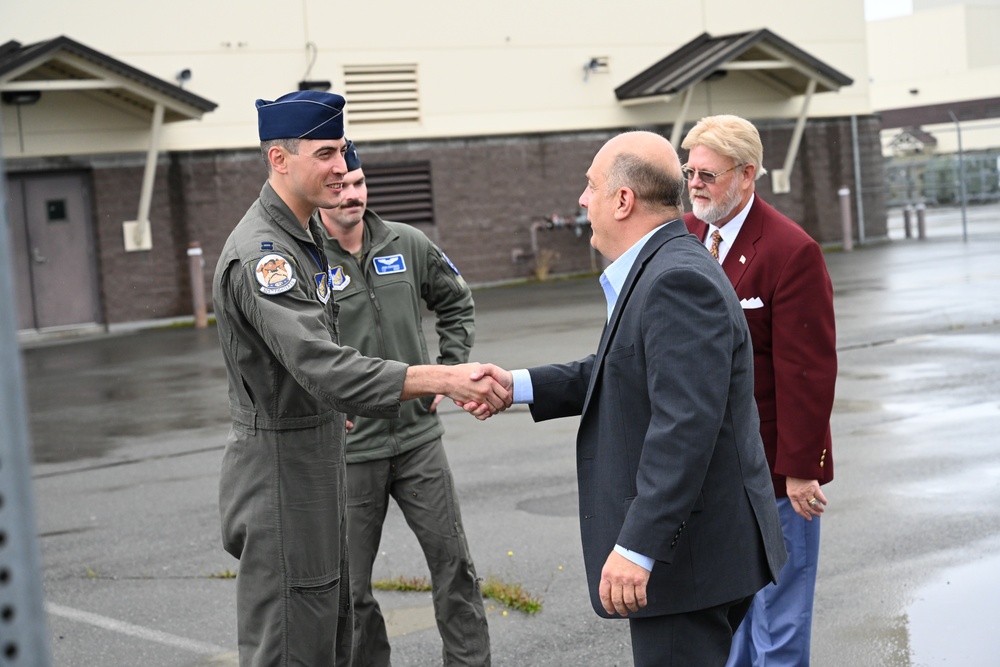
<point x="275" y="275"/>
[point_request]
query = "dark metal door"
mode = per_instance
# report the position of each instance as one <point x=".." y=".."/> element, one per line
<point x="52" y="241"/>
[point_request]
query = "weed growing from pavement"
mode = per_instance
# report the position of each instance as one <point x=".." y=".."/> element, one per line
<point x="512" y="595"/>
<point x="407" y="584"/>
<point x="225" y="574"/>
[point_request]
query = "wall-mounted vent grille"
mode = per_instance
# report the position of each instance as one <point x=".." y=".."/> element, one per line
<point x="401" y="192"/>
<point x="381" y="94"/>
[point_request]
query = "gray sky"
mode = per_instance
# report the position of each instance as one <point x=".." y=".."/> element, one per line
<point x="883" y="9"/>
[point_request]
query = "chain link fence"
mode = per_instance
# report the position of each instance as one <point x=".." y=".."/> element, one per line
<point x="936" y="180"/>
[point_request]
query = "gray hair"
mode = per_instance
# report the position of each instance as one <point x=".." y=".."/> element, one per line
<point x="653" y="186"/>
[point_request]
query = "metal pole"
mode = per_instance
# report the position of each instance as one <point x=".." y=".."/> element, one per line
<point x="24" y="631"/>
<point x="921" y="221"/>
<point x="961" y="175"/>
<point x="845" y="218"/>
<point x="857" y="181"/>
<point x="196" y="266"/>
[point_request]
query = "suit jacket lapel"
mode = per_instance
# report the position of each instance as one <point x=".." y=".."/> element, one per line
<point x="669" y="231"/>
<point x="742" y="253"/>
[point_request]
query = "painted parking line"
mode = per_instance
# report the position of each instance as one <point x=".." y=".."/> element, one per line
<point x="134" y="630"/>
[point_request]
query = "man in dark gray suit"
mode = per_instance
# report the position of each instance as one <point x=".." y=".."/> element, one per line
<point x="677" y="513"/>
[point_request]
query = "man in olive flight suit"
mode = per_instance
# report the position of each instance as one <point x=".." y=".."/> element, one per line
<point x="282" y="488"/>
<point x="381" y="271"/>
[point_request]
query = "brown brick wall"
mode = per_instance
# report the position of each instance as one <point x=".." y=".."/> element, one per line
<point x="134" y="285"/>
<point x="487" y="194"/>
<point x="825" y="164"/>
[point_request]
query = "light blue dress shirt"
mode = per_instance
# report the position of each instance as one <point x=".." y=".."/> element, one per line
<point x="612" y="282"/>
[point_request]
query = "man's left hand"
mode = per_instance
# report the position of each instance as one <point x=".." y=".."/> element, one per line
<point x="623" y="585"/>
<point x="806" y="497"/>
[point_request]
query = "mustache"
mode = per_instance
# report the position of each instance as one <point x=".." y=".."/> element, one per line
<point x="350" y="203"/>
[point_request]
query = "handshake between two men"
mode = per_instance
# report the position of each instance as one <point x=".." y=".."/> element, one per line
<point x="482" y="390"/>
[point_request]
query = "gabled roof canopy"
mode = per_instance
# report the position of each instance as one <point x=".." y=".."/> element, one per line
<point x="62" y="64"/>
<point x="760" y="53"/>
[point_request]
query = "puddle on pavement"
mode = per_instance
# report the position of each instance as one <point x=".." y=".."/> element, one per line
<point x="562" y="505"/>
<point x="849" y="405"/>
<point x="87" y="399"/>
<point x="952" y="620"/>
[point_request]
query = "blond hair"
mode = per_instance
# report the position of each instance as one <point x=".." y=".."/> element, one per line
<point x="731" y="136"/>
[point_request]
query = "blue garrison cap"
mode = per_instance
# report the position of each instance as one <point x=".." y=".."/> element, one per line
<point x="351" y="157"/>
<point x="305" y="114"/>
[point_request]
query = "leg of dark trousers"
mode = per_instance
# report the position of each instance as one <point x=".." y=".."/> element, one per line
<point x="345" y="618"/>
<point x="424" y="489"/>
<point x="368" y="500"/>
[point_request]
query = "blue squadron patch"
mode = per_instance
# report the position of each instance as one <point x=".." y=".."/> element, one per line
<point x="322" y="286"/>
<point x="275" y="275"/>
<point x="389" y="264"/>
<point x="453" y="267"/>
<point x="266" y="245"/>
<point x="339" y="278"/>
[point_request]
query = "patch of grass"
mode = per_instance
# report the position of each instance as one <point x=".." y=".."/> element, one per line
<point x="225" y="574"/>
<point x="417" y="584"/>
<point x="512" y="595"/>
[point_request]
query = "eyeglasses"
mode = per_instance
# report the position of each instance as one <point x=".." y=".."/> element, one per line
<point x="707" y="177"/>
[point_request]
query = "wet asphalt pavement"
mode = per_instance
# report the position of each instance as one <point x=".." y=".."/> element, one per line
<point x="128" y="431"/>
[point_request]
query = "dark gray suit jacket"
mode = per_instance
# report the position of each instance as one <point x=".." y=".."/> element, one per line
<point x="669" y="458"/>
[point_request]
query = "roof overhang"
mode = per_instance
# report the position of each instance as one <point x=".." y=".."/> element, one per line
<point x="761" y="55"/>
<point x="62" y="64"/>
<point x="937" y="114"/>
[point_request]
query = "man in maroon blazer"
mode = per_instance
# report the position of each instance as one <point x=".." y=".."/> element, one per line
<point x="781" y="279"/>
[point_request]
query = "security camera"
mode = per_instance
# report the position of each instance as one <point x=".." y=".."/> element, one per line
<point x="183" y="76"/>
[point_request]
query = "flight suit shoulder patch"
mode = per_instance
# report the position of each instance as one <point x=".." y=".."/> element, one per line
<point x="450" y="263"/>
<point x="339" y="278"/>
<point x="275" y="274"/>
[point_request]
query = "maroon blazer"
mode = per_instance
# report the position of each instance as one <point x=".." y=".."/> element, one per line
<point x="794" y="339"/>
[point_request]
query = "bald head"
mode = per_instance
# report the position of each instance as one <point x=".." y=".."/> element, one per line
<point x="646" y="163"/>
<point x="633" y="186"/>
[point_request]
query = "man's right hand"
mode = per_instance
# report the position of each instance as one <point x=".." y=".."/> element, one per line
<point x="502" y="377"/>
<point x="465" y="384"/>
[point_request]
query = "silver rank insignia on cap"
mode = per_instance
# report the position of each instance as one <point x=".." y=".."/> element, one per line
<point x="339" y="278"/>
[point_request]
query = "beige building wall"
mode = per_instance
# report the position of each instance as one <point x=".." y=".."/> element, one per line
<point x="935" y="56"/>
<point x="500" y="69"/>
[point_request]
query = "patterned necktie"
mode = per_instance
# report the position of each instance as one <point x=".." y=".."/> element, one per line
<point x="716" y="238"/>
